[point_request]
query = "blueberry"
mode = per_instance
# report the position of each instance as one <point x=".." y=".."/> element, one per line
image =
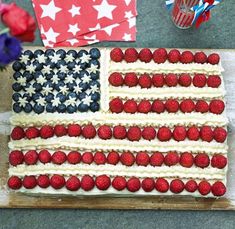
<point x="58" y="85"/>
<point x="49" y="52"/>
<point x="95" y="53"/>
<point x="36" y="96"/>
<point x="28" y="97"/>
<point x="83" y="73"/>
<point x="62" y="53"/>
<point x="95" y="82"/>
<point x="38" y="108"/>
<point x="16" y="87"/>
<point x="61" y="108"/>
<point x="48" y="83"/>
<point x="28" y="76"/>
<point x="49" y="76"/>
<point x="16" y="75"/>
<point x="51" y="64"/>
<point x="71" y="86"/>
<point x="95" y="96"/>
<point x="81" y="95"/>
<point x="71" y="109"/>
<point x="94" y="62"/>
<point x="94" y="107"/>
<point x="37" y="74"/>
<point x="50" y="108"/>
<point x="83" y="65"/>
<point x="76" y="75"/>
<point x="16" y="96"/>
<point x="17" y="66"/>
<point x="38" y="52"/>
<point x="83" y="107"/>
<point x="83" y="86"/>
<point x="38" y="66"/>
<point x="71" y="65"/>
<point x="37" y="86"/>
<point x="60" y="63"/>
<point x="72" y="95"/>
<point x="61" y="75"/>
<point x="81" y="52"/>
<point x="29" y="53"/>
<point x="95" y="76"/>
<point x="73" y="52"/>
<point x="17" y="108"/>
<point x="49" y="97"/>
<point x="61" y="97"/>
<point x="28" y="108"/>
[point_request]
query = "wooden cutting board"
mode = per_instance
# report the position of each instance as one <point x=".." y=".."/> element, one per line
<point x="17" y="200"/>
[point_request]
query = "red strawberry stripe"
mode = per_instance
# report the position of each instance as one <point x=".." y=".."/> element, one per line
<point x="103" y="182"/>
<point x="142" y="158"/>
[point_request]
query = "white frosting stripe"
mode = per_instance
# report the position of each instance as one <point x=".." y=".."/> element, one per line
<point x="74" y="143"/>
<point x="120" y="170"/>
<point x="167" y="92"/>
<point x="152" y="67"/>
<point x="153" y="119"/>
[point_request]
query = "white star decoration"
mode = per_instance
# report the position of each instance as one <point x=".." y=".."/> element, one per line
<point x="105" y="10"/>
<point x="71" y="101"/>
<point x="64" y="90"/>
<point x="55" y="102"/>
<point x="30" y="90"/>
<point x="24" y="59"/>
<point x="85" y="58"/>
<point x="51" y="35"/>
<point x="21" y="80"/>
<point x="93" y="68"/>
<point x="75" y="10"/>
<point x="31" y="68"/>
<point x="69" y="58"/>
<point x="23" y="101"/>
<point x="128" y="14"/>
<point x="86" y="79"/>
<point x="46" y="69"/>
<point x="94" y="89"/>
<point x="87" y="100"/>
<point x="63" y="69"/>
<point x="69" y="79"/>
<point x="46" y="90"/>
<point x="77" y="68"/>
<point x="41" y="101"/>
<point x="41" y="59"/>
<point x="73" y="29"/>
<point x="55" y="79"/>
<point x="50" y="10"/>
<point x="41" y="80"/>
<point x="127" y="37"/>
<point x="77" y="89"/>
<point x="55" y="58"/>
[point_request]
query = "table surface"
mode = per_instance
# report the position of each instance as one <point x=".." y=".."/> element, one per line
<point x="155" y="29"/>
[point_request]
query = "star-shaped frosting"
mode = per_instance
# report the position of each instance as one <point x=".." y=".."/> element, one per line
<point x="85" y="58"/>
<point x="69" y="58"/>
<point x="41" y="101"/>
<point x="93" y="68"/>
<point x="71" y="101"/>
<point x="64" y="90"/>
<point x="55" y="79"/>
<point x="55" y="58"/>
<point x="87" y="100"/>
<point x="21" y="80"/>
<point x="63" y="69"/>
<point x="86" y="79"/>
<point x="24" y="59"/>
<point x="46" y="69"/>
<point x="69" y="79"/>
<point x="46" y="90"/>
<point x="94" y="88"/>
<point x="41" y="80"/>
<point x="41" y="59"/>
<point x="23" y="101"/>
<point x="30" y="68"/>
<point x="77" y="68"/>
<point x="30" y="90"/>
<point x="77" y="89"/>
<point x="56" y="102"/>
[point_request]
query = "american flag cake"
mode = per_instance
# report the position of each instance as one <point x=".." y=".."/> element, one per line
<point x="118" y="122"/>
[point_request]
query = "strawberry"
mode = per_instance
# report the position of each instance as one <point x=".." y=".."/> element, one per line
<point x="158" y="80"/>
<point x="59" y="157"/>
<point x="200" y="57"/>
<point x="134" y="133"/>
<point x="214" y="81"/>
<point x="142" y="158"/>
<point x="127" y="158"/>
<point x="218" y="188"/>
<point x="119" y="183"/>
<point x="171" y="80"/>
<point x="187" y="106"/>
<point x="213" y="58"/>
<point x="43" y="181"/>
<point x="119" y="132"/>
<point x="14" y="182"/>
<point x="218" y="161"/>
<point x="204" y="188"/>
<point x="74" y="157"/>
<point x="115" y="79"/>
<point x="216" y="106"/>
<point x="32" y="132"/>
<point x="186" y="57"/>
<point x="162" y="185"/>
<point x="191" y="186"/>
<point x="186" y="160"/>
<point x="144" y="106"/>
<point x="44" y="156"/>
<point x="102" y="182"/>
<point x="57" y="181"/>
<point x="148" y="184"/>
<point x="88" y="131"/>
<point x="99" y="158"/>
<point x="206" y="134"/>
<point x="46" y="132"/>
<point x="130" y="106"/>
<point x="160" y="55"/>
<point x="116" y="105"/>
<point x="60" y="130"/>
<point x="172" y="158"/>
<point x="87" y="183"/>
<point x="174" y="56"/>
<point x="145" y="81"/>
<point x="31" y="157"/>
<point x="172" y="105"/>
<point x="116" y="55"/>
<point x="156" y="159"/>
<point x="131" y="55"/>
<point x="179" y="133"/>
<point x="145" y="55"/>
<point x="74" y="130"/>
<point x="29" y="182"/>
<point x="87" y="158"/>
<point x="16" y="157"/>
<point x="202" y="160"/>
<point x="164" y="134"/>
<point x="185" y="80"/>
<point x="199" y="80"/>
<point x="73" y="183"/>
<point x="149" y="133"/>
<point x="104" y="132"/>
<point x="130" y="79"/>
<point x="177" y="186"/>
<point x="158" y="106"/>
<point x="202" y="106"/>
<point x="133" y="184"/>
<point x="17" y="133"/>
<point x="193" y="133"/>
<point x="113" y="158"/>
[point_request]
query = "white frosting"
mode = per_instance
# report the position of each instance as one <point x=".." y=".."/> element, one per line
<point x="208" y="173"/>
<point x="152" y="67"/>
<point x="139" y="93"/>
<point x="74" y="143"/>
<point x="151" y="119"/>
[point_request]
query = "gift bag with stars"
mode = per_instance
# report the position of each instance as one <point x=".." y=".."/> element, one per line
<point x="79" y="23"/>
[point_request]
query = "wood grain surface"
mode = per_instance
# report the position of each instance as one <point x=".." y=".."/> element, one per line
<point x="16" y="200"/>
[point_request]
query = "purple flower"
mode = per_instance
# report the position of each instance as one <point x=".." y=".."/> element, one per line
<point x="10" y="49"/>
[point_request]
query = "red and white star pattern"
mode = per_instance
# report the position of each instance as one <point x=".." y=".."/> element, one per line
<point x="84" y="22"/>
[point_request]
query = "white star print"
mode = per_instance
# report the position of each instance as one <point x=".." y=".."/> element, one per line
<point x="24" y="59"/>
<point x="77" y="68"/>
<point x="86" y="79"/>
<point x="41" y="59"/>
<point x="105" y="10"/>
<point x="41" y="101"/>
<point x="63" y="69"/>
<point x="46" y="69"/>
<point x="30" y="90"/>
<point x="109" y="29"/>
<point x="55" y="79"/>
<point x="74" y="10"/>
<point x="41" y="80"/>
<point x="55" y="102"/>
<point x="69" y="79"/>
<point x="94" y="88"/>
<point x="87" y="100"/>
<point x="93" y="68"/>
<point x="127" y="37"/>
<point x="85" y="58"/>
<point x="50" y="10"/>
<point x="132" y="22"/>
<point x="46" y="90"/>
<point x="23" y="101"/>
<point x="51" y="35"/>
<point x="77" y="89"/>
<point x="55" y="58"/>
<point x="127" y="2"/>
<point x="64" y="90"/>
<point x="128" y="14"/>
<point x="71" y="101"/>
<point x="73" y="29"/>
<point x="31" y="68"/>
<point x="69" y="58"/>
<point x="73" y="41"/>
<point x="97" y="27"/>
<point x="21" y="80"/>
